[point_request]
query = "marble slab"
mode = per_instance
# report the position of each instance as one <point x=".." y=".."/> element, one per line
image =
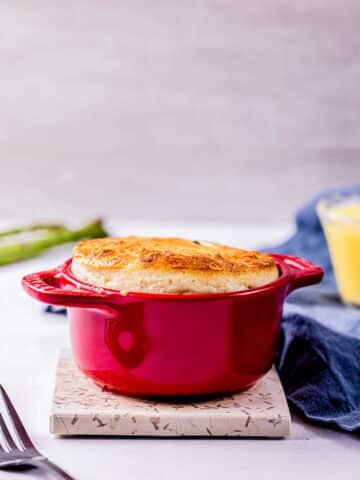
<point x="79" y="407"/>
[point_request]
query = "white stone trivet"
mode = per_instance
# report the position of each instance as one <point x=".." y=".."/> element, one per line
<point x="82" y="408"/>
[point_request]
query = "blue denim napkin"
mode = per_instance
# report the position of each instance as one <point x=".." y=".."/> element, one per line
<point x="318" y="357"/>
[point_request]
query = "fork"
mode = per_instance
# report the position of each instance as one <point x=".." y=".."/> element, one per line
<point x="17" y="451"/>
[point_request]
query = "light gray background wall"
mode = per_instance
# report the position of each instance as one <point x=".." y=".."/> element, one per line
<point x="226" y="109"/>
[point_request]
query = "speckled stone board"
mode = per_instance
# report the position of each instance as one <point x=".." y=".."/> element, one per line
<point x="81" y="408"/>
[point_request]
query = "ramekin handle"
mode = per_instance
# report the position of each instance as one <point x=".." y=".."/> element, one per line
<point x="47" y="287"/>
<point x="304" y="273"/>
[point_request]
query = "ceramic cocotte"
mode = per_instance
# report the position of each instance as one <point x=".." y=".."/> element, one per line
<point x="173" y="345"/>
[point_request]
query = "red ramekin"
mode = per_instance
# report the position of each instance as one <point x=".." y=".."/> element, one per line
<point x="171" y="345"/>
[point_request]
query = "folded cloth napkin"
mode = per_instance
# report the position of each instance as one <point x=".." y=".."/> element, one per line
<point x="318" y="356"/>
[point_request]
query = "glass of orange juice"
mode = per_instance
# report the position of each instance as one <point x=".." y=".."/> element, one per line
<point x="340" y="218"/>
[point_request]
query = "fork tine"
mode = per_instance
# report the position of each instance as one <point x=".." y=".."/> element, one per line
<point x="7" y="435"/>
<point x="19" y="428"/>
<point x="2" y="449"/>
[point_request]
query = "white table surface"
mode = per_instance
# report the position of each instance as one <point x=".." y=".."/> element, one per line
<point x="30" y="343"/>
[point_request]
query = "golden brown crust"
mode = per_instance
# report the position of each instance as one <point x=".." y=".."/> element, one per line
<point x="170" y="255"/>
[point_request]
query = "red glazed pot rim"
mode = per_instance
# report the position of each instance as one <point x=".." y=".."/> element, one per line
<point x="288" y="267"/>
<point x="294" y="271"/>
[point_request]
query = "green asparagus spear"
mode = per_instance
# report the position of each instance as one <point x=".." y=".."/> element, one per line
<point x="13" y="246"/>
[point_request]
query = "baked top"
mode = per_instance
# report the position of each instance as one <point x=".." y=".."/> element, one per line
<point x="170" y="265"/>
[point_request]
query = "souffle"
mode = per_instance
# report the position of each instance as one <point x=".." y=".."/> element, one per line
<point x="170" y="265"/>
